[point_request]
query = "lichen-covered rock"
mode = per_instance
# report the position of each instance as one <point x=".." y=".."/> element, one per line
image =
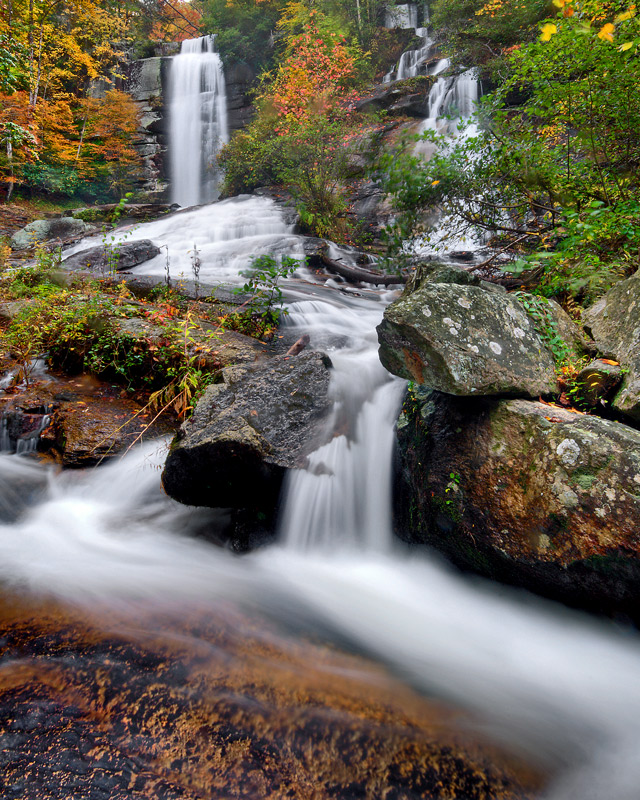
<point x="614" y="322"/>
<point x="42" y="230"/>
<point x="527" y="493"/>
<point x="245" y="433"/>
<point x="122" y="256"/>
<point x="465" y="340"/>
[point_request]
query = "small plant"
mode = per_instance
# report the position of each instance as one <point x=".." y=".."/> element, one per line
<point x="196" y="263"/>
<point x="167" y="268"/>
<point x="267" y="300"/>
<point x="112" y="247"/>
<point x="540" y="312"/>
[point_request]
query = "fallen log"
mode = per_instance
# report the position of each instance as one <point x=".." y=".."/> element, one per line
<point x="359" y="275"/>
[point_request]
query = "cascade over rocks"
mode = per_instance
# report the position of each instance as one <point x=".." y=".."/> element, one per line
<point x="614" y="322"/>
<point x="246" y="432"/>
<point x="452" y="333"/>
<point x="525" y="493"/>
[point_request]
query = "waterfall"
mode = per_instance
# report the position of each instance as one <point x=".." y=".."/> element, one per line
<point x="559" y="686"/>
<point x="197" y="121"/>
<point x="343" y="499"/>
<point x="411" y="62"/>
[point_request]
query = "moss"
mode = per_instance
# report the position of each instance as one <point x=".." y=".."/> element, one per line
<point x="584" y="480"/>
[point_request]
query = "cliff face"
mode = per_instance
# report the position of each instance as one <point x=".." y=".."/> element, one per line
<point x="147" y="84"/>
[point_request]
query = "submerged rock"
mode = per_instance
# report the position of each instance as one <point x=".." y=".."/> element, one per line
<point x="122" y="256"/>
<point x="526" y="493"/>
<point x="214" y="704"/>
<point x="465" y="340"/>
<point x="614" y="322"/>
<point x="246" y="432"/>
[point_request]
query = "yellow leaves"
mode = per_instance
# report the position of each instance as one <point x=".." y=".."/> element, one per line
<point x="628" y="14"/>
<point x="435" y="183"/>
<point x="547" y="31"/>
<point x="606" y="32"/>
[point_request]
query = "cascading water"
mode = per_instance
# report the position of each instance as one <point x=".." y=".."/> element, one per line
<point x="412" y="62"/>
<point x="560" y="686"/>
<point x="197" y="120"/>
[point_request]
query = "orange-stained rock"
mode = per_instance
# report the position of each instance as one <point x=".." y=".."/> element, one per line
<point x="525" y="492"/>
<point x="206" y="705"/>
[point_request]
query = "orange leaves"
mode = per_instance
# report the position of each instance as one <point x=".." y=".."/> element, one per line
<point x="318" y="70"/>
<point x="547" y="31"/>
<point x="179" y="20"/>
<point x="606" y="32"/>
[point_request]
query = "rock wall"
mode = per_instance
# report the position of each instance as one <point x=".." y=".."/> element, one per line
<point x="147" y="83"/>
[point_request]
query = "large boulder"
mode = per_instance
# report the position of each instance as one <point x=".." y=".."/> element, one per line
<point x="43" y="230"/>
<point x="245" y="433"/>
<point x="614" y="322"/>
<point x="121" y="256"/>
<point x="450" y="333"/>
<point x="526" y="493"/>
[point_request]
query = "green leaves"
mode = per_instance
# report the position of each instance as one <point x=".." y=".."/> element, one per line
<point x="267" y="300"/>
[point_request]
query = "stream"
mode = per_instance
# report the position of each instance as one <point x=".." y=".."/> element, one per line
<point x="336" y="607"/>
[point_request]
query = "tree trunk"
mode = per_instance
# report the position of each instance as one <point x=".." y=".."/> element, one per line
<point x="359" y="275"/>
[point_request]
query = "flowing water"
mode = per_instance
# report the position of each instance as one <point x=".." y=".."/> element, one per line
<point x="555" y="685"/>
<point x="198" y="121"/>
<point x="551" y="683"/>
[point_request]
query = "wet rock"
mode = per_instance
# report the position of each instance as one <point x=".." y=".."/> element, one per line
<point x="42" y="230"/>
<point x="106" y="259"/>
<point x="245" y="433"/>
<point x="464" y="339"/>
<point x="212" y="704"/>
<point x="614" y="322"/>
<point x="77" y="421"/>
<point x="462" y="255"/>
<point x="526" y="493"/>
<point x="239" y="80"/>
<point x="408" y="97"/>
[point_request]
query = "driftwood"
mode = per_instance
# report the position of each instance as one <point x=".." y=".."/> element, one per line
<point x="299" y="346"/>
<point x="359" y="275"/>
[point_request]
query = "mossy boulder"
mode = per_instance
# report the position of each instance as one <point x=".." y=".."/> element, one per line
<point x="44" y="230"/>
<point x="524" y="492"/>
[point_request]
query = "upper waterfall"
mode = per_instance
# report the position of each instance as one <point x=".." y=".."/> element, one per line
<point x="198" y="121"/>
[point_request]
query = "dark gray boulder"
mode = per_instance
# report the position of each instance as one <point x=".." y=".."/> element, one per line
<point x="109" y="258"/>
<point x="246" y="432"/>
<point x="614" y="322"/>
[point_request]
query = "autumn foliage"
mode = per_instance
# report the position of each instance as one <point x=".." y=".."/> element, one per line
<point x="64" y="126"/>
<point x="315" y="77"/>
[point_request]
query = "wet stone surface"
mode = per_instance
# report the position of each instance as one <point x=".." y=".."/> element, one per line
<point x="201" y="706"/>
